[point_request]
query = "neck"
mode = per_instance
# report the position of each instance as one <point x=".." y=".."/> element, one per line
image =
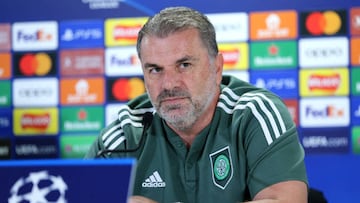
<point x="189" y="135"/>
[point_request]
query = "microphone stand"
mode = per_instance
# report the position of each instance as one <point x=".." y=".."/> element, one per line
<point x="147" y="120"/>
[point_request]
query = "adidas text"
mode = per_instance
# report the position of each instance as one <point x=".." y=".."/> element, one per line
<point x="154" y="180"/>
<point x="153" y="184"/>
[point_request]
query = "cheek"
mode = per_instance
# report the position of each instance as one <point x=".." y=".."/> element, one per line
<point x="152" y="91"/>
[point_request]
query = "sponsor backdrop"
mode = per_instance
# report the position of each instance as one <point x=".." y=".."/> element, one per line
<point x="66" y="67"/>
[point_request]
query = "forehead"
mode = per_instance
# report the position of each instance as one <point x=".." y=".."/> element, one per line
<point x="178" y="43"/>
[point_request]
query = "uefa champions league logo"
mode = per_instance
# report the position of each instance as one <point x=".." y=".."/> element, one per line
<point x="38" y="187"/>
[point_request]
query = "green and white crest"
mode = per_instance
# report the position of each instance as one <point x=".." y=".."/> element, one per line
<point x="221" y="166"/>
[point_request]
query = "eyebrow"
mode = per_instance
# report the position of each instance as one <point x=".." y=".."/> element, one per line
<point x="151" y="65"/>
<point x="179" y="61"/>
<point x="186" y="58"/>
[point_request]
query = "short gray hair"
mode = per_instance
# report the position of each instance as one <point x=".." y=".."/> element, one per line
<point x="174" y="19"/>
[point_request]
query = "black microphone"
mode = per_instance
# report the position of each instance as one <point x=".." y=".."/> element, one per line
<point x="146" y="122"/>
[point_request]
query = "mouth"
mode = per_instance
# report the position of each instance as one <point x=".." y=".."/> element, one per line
<point x="172" y="100"/>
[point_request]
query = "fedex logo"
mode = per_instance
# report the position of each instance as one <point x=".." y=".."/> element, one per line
<point x="35" y="36"/>
<point x="325" y="112"/>
<point x="122" y="61"/>
<point x="38" y="35"/>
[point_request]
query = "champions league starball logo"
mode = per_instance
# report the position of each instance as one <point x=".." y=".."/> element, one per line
<point x="38" y="187"/>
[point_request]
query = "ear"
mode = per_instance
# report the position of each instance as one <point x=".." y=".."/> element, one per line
<point x="219" y="63"/>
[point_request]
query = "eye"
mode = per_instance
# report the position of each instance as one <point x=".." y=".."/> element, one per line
<point x="184" y="66"/>
<point x="154" y="70"/>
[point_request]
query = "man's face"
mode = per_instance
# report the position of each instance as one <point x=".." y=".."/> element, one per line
<point x="181" y="80"/>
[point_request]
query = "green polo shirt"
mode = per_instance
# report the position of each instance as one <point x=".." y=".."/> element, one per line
<point x="251" y="143"/>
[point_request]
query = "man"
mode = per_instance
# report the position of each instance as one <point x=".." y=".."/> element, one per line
<point x="212" y="138"/>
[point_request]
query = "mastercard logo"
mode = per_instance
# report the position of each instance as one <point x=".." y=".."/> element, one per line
<point x="125" y="89"/>
<point x="35" y="64"/>
<point x="324" y="23"/>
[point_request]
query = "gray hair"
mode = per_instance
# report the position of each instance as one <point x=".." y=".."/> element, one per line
<point x="174" y="19"/>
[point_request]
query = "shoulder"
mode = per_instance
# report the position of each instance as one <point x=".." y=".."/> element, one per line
<point x="129" y="117"/>
<point x="256" y="108"/>
<point x="239" y="95"/>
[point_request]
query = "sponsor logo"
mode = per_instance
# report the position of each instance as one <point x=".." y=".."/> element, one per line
<point x="355" y="81"/>
<point x="5" y="65"/>
<point x="124" y="89"/>
<point x="81" y="119"/>
<point x="324" y="82"/>
<point x="122" y="61"/>
<point x="103" y="4"/>
<point x="154" y="181"/>
<point x="5" y="38"/>
<point x="230" y="27"/>
<point x="35" y="92"/>
<point x="82" y="62"/>
<point x="273" y="25"/>
<point x="122" y="31"/>
<point x="35" y="121"/>
<point x="284" y="83"/>
<point x="35" y="36"/>
<point x="355" y="139"/>
<point x="221" y="167"/>
<point x="323" y="52"/>
<point x="325" y="140"/>
<point x="36" y="147"/>
<point x="355" y="21"/>
<point x="82" y="91"/>
<point x="33" y="188"/>
<point x="75" y="146"/>
<point x="355" y="51"/>
<point x="235" y="56"/>
<point x="325" y="112"/>
<point x="273" y="54"/>
<point x="5" y="122"/>
<point x="355" y="110"/>
<point x="84" y="33"/>
<point x="293" y="106"/>
<point x="5" y="148"/>
<point x="319" y="23"/>
<point x="5" y="93"/>
<point x="112" y="113"/>
<point x="35" y="64"/>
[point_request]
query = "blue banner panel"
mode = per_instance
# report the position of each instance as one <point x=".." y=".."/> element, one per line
<point x="325" y="140"/>
<point x="90" y="181"/>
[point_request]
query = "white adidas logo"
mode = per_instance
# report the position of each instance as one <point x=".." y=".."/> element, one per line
<point x="154" y="180"/>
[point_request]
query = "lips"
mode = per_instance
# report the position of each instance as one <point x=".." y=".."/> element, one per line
<point x="172" y="99"/>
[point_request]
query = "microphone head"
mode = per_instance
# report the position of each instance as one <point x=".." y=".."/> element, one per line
<point x="147" y="118"/>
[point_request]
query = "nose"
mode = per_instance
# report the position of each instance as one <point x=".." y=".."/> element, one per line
<point x="171" y="79"/>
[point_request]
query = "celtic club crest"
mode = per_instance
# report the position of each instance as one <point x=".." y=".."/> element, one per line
<point x="221" y="166"/>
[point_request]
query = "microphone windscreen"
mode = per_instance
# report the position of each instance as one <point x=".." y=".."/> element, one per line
<point x="147" y="118"/>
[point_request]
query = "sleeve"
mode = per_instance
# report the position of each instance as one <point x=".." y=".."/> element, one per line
<point x="96" y="146"/>
<point x="111" y="137"/>
<point x="273" y="151"/>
